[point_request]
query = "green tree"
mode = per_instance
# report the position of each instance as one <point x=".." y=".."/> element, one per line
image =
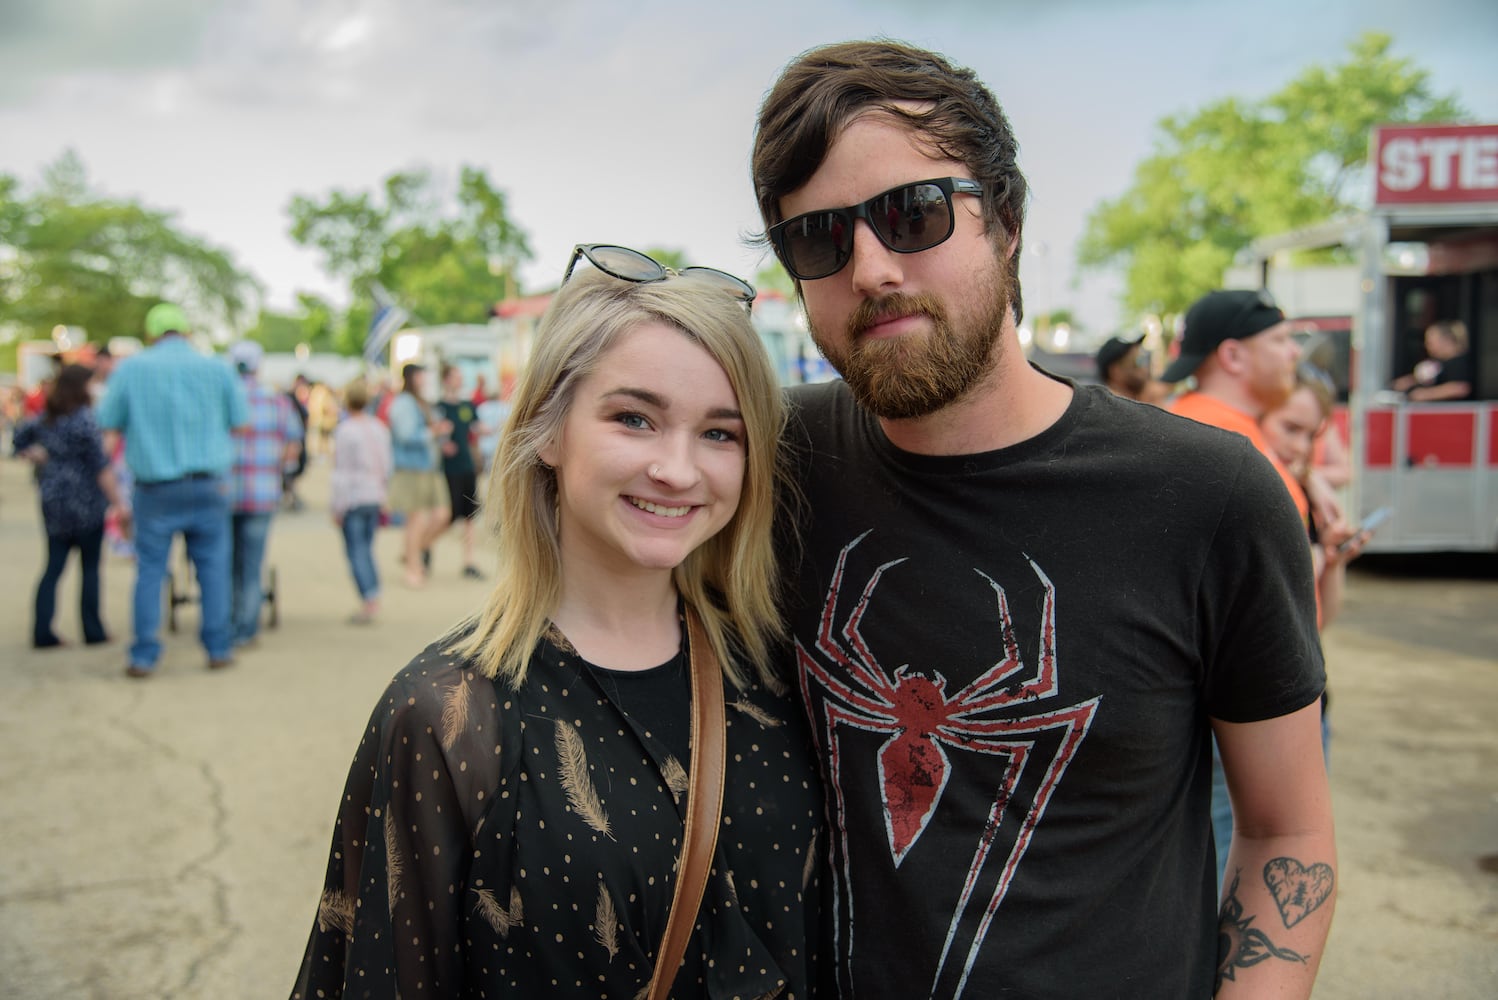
<point x="674" y="259"/>
<point x="447" y="260"/>
<point x="1236" y="170"/>
<point x="70" y="256"/>
<point x="774" y="278"/>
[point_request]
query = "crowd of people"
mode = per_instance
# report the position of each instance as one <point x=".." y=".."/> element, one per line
<point x="949" y="677"/>
<point x="176" y="443"/>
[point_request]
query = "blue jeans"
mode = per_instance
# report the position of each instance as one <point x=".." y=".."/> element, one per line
<point x="246" y="594"/>
<point x="197" y="509"/>
<point x="88" y="545"/>
<point x="359" y="524"/>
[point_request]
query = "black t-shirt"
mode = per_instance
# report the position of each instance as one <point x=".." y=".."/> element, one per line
<point x="462" y="415"/>
<point x="1009" y="660"/>
<point x="1457" y="369"/>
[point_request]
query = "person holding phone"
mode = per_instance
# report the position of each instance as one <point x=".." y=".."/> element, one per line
<point x="514" y="816"/>
<point x="1292" y="430"/>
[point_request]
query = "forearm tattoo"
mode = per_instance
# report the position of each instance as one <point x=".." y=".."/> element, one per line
<point x="1297" y="889"/>
<point x="1240" y="944"/>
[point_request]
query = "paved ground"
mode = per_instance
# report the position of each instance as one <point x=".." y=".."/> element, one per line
<point x="166" y="838"/>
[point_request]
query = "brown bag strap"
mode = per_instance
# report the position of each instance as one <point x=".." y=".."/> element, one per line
<point x="704" y="807"/>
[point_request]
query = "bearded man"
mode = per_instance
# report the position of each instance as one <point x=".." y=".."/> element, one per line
<point x="1020" y="606"/>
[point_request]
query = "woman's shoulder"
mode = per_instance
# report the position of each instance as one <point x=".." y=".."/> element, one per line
<point x="421" y="691"/>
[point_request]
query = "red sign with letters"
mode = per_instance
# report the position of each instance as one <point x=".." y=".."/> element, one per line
<point x="1435" y="164"/>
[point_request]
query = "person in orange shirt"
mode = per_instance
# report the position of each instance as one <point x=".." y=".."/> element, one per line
<point x="1239" y="347"/>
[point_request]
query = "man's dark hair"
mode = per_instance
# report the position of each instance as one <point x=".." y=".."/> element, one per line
<point x="823" y="90"/>
<point x="70" y="392"/>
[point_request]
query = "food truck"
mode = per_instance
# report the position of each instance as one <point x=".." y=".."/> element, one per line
<point x="1427" y="251"/>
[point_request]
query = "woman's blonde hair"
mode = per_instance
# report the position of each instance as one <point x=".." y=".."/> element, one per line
<point x="731" y="579"/>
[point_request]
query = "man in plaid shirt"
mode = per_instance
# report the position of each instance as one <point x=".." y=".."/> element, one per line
<point x="263" y="448"/>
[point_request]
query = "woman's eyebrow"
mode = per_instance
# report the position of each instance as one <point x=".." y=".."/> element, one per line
<point x="660" y="402"/>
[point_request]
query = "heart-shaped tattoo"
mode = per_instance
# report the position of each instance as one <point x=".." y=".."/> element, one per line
<point x="1298" y="890"/>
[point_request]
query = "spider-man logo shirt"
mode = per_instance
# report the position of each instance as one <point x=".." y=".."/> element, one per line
<point x="1008" y="662"/>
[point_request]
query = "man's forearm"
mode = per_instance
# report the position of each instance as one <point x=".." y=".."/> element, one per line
<point x="1275" y="914"/>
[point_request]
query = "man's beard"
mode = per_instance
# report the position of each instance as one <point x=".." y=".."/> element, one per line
<point x="1271" y="393"/>
<point x="908" y="376"/>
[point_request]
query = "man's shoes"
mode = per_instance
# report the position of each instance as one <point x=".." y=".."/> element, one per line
<point x="137" y="671"/>
<point x="472" y="572"/>
<point x="227" y="661"/>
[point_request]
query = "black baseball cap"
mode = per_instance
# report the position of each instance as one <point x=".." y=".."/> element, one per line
<point x="1112" y="350"/>
<point x="1218" y="316"/>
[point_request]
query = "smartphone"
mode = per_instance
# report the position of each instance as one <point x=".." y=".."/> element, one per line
<point x="1370" y="524"/>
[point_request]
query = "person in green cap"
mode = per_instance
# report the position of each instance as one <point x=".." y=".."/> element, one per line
<point x="176" y="409"/>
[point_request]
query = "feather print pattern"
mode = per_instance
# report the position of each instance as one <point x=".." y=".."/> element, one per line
<point x="335" y="911"/>
<point x="392" y="863"/>
<point x="675" y="775"/>
<point x="572" y="760"/>
<point x="756" y="713"/>
<point x="455" y="712"/>
<point x="498" y="917"/>
<point x="606" y="922"/>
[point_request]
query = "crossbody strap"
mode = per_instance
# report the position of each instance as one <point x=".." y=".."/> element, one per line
<point x="704" y="807"/>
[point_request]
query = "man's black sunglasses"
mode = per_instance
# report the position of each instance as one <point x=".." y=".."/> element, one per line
<point x="632" y="265"/>
<point x="907" y="219"/>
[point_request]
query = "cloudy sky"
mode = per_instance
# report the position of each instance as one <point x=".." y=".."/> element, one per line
<point x="629" y="121"/>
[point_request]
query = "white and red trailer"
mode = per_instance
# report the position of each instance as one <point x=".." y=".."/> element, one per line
<point x="1428" y="252"/>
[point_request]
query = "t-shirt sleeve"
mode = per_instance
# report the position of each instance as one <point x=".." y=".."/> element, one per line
<point x="111" y="412"/>
<point x="1457" y="369"/>
<point x="1257" y="605"/>
<point x="388" y="923"/>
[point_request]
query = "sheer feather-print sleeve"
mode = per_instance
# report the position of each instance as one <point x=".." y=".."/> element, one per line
<point x="387" y="922"/>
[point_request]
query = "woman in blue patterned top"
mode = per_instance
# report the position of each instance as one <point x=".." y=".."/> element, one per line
<point x="77" y="488"/>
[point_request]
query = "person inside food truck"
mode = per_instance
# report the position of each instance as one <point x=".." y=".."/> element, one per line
<point x="1446" y="372"/>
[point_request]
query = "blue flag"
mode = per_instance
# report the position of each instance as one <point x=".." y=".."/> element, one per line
<point x="388" y="318"/>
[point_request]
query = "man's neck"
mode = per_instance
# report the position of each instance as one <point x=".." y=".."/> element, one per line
<point x="1230" y="392"/>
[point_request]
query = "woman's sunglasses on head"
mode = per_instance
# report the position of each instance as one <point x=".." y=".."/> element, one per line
<point x="907" y="219"/>
<point x="632" y="265"/>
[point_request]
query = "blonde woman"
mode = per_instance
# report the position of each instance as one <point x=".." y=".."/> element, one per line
<point x="513" y="817"/>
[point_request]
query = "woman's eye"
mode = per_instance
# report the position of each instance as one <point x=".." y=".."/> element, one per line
<point x="634" y="421"/>
<point x="723" y="435"/>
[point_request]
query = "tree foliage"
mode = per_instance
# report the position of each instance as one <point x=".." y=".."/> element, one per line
<point x="445" y="259"/>
<point x="70" y="256"/>
<point x="1236" y="170"/>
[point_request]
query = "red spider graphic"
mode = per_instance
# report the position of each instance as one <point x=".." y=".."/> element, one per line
<point x="922" y="720"/>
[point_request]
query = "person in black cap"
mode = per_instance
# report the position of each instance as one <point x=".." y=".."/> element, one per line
<point x="1122" y="366"/>
<point x="1238" y="346"/>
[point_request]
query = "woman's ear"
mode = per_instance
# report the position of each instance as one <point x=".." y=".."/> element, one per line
<point x="550" y="454"/>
